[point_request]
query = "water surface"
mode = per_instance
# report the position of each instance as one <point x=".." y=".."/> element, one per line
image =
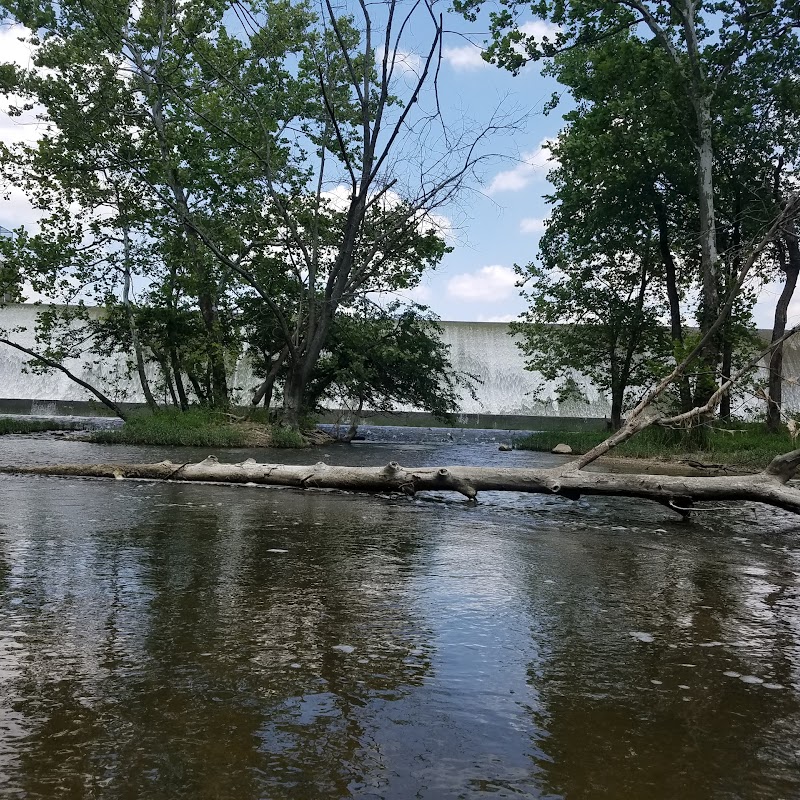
<point x="192" y="641"/>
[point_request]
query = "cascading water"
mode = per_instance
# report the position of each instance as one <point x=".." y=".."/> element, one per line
<point x="482" y="349"/>
<point x="485" y="350"/>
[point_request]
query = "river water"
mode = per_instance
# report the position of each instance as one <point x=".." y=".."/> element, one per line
<point x="194" y="641"/>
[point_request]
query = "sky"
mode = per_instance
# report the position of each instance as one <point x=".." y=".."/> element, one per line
<point x="496" y="224"/>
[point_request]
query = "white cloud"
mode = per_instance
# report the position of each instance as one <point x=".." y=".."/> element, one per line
<point x="498" y="318"/>
<point x="13" y="50"/>
<point x="532" y="225"/>
<point x="405" y="63"/>
<point x="419" y="294"/>
<point x="25" y="127"/>
<point x="16" y="210"/>
<point x="466" y="58"/>
<point x="442" y="225"/>
<point x="489" y="284"/>
<point x="533" y="164"/>
<point x="539" y="29"/>
<point x="338" y="197"/>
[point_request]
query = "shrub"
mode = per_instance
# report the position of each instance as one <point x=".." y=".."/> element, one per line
<point x="8" y="425"/>
<point x="745" y="443"/>
<point x="286" y="438"/>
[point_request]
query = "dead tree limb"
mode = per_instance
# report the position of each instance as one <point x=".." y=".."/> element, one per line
<point x="106" y="401"/>
<point x="675" y="492"/>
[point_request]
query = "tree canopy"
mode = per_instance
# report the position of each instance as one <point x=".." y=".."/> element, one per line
<point x="201" y="157"/>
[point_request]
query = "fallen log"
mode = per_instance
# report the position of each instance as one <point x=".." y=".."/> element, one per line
<point x="567" y="480"/>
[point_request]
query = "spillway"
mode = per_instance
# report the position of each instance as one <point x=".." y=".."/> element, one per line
<point x="483" y="349"/>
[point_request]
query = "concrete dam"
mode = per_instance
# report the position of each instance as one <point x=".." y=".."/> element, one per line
<point x="484" y="349"/>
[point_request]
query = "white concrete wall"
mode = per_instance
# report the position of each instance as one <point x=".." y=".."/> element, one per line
<point x="481" y="348"/>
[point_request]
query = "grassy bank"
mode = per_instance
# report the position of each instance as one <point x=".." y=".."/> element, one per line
<point x="9" y="425"/>
<point x="197" y="428"/>
<point x="745" y="444"/>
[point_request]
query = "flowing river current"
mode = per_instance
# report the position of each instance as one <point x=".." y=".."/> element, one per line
<point x="195" y="641"/>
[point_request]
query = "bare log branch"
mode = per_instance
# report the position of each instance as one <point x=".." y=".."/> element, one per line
<point x="675" y="492"/>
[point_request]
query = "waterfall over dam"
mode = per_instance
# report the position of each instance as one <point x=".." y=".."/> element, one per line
<point x="483" y="349"/>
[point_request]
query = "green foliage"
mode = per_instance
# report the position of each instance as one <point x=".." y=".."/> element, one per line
<point x="286" y="438"/>
<point x="194" y="428"/>
<point x="595" y="304"/>
<point x="8" y="425"/>
<point x="383" y="358"/>
<point x="189" y="159"/>
<point x="741" y="444"/>
<point x="684" y="125"/>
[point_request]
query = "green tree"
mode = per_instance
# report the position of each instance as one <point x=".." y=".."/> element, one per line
<point x="262" y="154"/>
<point x="621" y="168"/>
<point x="594" y="310"/>
<point x="710" y="46"/>
<point x="381" y="358"/>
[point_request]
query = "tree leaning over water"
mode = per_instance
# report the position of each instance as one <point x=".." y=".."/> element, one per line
<point x="276" y="155"/>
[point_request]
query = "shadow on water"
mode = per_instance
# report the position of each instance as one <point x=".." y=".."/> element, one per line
<point x="183" y="641"/>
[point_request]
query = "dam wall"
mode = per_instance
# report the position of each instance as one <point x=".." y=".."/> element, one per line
<point x="483" y="349"/>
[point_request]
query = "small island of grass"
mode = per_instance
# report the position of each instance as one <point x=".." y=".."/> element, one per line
<point x="10" y="425"/>
<point x="200" y="428"/>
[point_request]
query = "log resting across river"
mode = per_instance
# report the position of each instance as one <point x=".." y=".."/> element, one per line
<point x="676" y="492"/>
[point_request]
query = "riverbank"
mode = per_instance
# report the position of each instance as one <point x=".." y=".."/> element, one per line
<point x="747" y="446"/>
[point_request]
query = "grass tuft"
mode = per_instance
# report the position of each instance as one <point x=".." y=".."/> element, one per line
<point x="286" y="438"/>
<point x="197" y="428"/>
<point x="193" y="428"/>
<point x="8" y="425"/>
<point x="745" y="444"/>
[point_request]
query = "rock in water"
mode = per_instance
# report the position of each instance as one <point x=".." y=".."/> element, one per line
<point x="505" y="448"/>
<point x="562" y="450"/>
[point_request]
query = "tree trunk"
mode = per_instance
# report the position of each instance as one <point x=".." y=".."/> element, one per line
<point x="673" y="295"/>
<point x="264" y="392"/>
<point x="198" y="390"/>
<point x="178" y="378"/>
<point x="791" y="268"/>
<point x="709" y="259"/>
<point x="293" y="391"/>
<point x="677" y="493"/>
<point x="135" y="343"/>
<point x="167" y="373"/>
<point x="215" y="351"/>
<point x="616" y="409"/>
<point x="727" y="369"/>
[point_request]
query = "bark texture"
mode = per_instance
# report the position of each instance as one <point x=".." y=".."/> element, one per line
<point x="790" y="265"/>
<point x="678" y="493"/>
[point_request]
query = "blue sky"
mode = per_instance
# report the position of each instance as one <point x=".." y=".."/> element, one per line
<point x="499" y="223"/>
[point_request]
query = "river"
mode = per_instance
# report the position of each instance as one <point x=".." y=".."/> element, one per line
<point x="194" y="641"/>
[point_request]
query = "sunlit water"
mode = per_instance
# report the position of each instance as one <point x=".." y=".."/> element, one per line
<point x="192" y="641"/>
